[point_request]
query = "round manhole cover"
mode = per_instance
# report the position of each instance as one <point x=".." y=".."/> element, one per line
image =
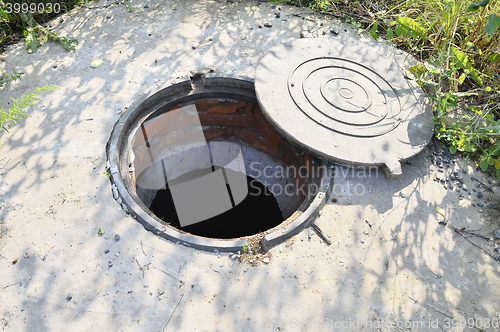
<point x="343" y="103"/>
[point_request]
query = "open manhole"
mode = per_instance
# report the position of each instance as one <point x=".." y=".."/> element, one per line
<point x="214" y="162"/>
<point x="197" y="162"/>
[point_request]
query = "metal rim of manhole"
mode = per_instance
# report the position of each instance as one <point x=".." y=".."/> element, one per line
<point x="344" y="103"/>
<point x="123" y="155"/>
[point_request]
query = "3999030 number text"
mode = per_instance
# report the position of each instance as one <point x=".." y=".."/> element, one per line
<point x="33" y="8"/>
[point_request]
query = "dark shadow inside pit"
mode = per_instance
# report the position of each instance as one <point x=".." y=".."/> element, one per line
<point x="258" y="212"/>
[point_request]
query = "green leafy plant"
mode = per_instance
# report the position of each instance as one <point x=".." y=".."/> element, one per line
<point x="26" y="20"/>
<point x="246" y="251"/>
<point x="37" y="36"/>
<point x="19" y="110"/>
<point x="7" y="78"/>
<point x="457" y="74"/>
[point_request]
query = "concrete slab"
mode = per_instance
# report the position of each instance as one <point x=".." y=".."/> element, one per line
<point x="405" y="271"/>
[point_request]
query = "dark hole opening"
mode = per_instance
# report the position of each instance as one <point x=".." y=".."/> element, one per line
<point x="258" y="212"/>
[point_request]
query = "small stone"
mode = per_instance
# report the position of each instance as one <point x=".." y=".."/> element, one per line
<point x="489" y="206"/>
<point x="464" y="171"/>
<point x="480" y="204"/>
<point x="481" y="211"/>
<point x="496" y="250"/>
<point x="268" y="25"/>
<point x="497" y="234"/>
<point x="334" y="32"/>
<point x="146" y="6"/>
<point x="265" y="260"/>
<point x="106" y="251"/>
<point x="278" y="15"/>
<point x="473" y="205"/>
<point x="117" y="237"/>
<point x="69" y="297"/>
<point x="273" y="6"/>
<point x="55" y="67"/>
<point x="221" y="265"/>
<point x="474" y="189"/>
<point x="193" y="47"/>
<point x="479" y="195"/>
<point x="362" y="241"/>
<point x="110" y="264"/>
<point x="490" y="182"/>
<point x="455" y="173"/>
